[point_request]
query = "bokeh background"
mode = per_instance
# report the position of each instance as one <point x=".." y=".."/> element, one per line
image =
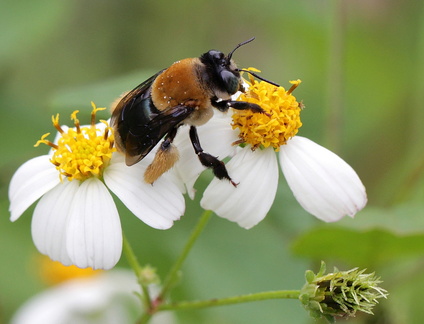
<point x="362" y="67"/>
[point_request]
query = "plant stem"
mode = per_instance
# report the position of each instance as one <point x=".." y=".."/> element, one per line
<point x="144" y="318"/>
<point x="282" y="294"/>
<point x="172" y="276"/>
<point x="137" y="268"/>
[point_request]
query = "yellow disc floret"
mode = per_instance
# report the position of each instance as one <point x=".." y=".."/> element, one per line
<point x="81" y="152"/>
<point x="54" y="272"/>
<point x="279" y="123"/>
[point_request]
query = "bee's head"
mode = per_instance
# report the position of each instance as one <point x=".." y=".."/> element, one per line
<point x="222" y="71"/>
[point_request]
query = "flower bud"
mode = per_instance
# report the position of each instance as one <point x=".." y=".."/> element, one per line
<point x="341" y="293"/>
<point x="148" y="276"/>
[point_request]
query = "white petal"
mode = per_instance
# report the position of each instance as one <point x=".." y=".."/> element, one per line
<point x="32" y="180"/>
<point x="93" y="232"/>
<point x="217" y="135"/>
<point x="216" y="138"/>
<point x="324" y="184"/>
<point x="50" y="219"/>
<point x="158" y="205"/>
<point x="248" y="204"/>
<point x="106" y="298"/>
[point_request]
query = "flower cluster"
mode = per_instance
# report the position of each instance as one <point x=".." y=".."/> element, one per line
<point x="324" y="185"/>
<point x="76" y="220"/>
<point x="81" y="153"/>
<point x="280" y="122"/>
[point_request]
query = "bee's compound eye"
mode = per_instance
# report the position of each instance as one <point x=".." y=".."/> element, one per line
<point x="231" y="82"/>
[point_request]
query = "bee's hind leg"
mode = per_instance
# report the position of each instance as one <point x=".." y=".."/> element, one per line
<point x="166" y="156"/>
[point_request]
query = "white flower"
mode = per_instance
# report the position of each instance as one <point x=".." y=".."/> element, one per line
<point x="106" y="298"/>
<point x="76" y="220"/>
<point x="324" y="184"/>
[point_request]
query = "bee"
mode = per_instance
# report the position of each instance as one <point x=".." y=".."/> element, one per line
<point x="183" y="94"/>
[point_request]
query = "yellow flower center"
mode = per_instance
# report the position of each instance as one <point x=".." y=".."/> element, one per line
<point x="280" y="122"/>
<point x="54" y="272"/>
<point x="81" y="152"/>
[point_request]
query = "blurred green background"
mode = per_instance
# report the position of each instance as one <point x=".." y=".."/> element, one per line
<point x="362" y="67"/>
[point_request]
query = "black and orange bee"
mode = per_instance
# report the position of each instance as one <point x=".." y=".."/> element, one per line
<point x="184" y="93"/>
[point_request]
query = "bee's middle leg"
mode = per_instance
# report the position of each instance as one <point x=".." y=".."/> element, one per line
<point x="209" y="161"/>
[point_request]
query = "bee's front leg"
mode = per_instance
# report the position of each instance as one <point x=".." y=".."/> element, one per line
<point x="224" y="105"/>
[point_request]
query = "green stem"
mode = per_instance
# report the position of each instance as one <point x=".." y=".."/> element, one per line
<point x="137" y="268"/>
<point x="144" y="318"/>
<point x="282" y="294"/>
<point x="172" y="276"/>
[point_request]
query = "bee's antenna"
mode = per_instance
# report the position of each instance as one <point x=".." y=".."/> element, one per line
<point x="260" y="78"/>
<point x="239" y="45"/>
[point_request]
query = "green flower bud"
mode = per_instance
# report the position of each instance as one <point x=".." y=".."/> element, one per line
<point x="341" y="293"/>
<point x="148" y="276"/>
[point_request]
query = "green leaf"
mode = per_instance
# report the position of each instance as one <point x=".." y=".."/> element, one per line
<point x="363" y="248"/>
<point x="400" y="219"/>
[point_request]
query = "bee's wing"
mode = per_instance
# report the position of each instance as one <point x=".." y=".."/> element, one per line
<point x="142" y="123"/>
<point x="132" y="112"/>
<point x="133" y="98"/>
<point x="142" y="138"/>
